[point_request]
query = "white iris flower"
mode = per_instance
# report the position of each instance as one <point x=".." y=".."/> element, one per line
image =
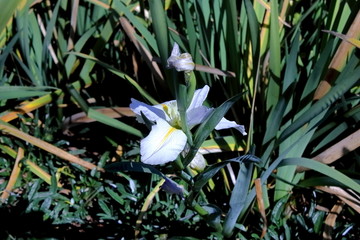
<point x="166" y="139"/>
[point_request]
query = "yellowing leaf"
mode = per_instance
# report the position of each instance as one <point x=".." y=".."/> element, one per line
<point x="351" y="40"/>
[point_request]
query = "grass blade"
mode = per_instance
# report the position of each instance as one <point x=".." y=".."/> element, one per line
<point x="324" y="169"/>
<point x="238" y="197"/>
<point x="160" y="29"/>
<point x="208" y="126"/>
<point x="16" y="92"/>
<point x="15" y="173"/>
<point x="7" y="9"/>
<point x="46" y="146"/>
<point x="120" y="74"/>
<point x="346" y="80"/>
<point x="273" y="92"/>
<point x="102" y="117"/>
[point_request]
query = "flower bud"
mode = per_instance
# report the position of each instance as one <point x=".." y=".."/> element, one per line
<point x="198" y="163"/>
<point x="181" y="62"/>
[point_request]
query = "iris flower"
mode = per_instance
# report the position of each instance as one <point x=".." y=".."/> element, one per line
<point x="166" y="139"/>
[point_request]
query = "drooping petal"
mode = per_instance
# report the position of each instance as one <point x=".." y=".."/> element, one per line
<point x="172" y="187"/>
<point x="151" y="112"/>
<point x="163" y="144"/>
<point x="224" y="124"/>
<point x="199" y="97"/>
<point x="197" y="115"/>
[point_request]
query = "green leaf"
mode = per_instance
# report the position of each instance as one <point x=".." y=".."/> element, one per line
<point x="274" y="120"/>
<point x="319" y="181"/>
<point x="113" y="122"/>
<point x="202" y="178"/>
<point x="169" y="186"/>
<point x="231" y="34"/>
<point x="254" y="32"/>
<point x="316" y="73"/>
<point x="91" y="113"/>
<point x="324" y="169"/>
<point x="347" y="79"/>
<point x="238" y="197"/>
<point x="214" y="216"/>
<point x="18" y="92"/>
<point x="270" y="169"/>
<point x="107" y="30"/>
<point x="49" y="33"/>
<point x="273" y="92"/>
<point x="277" y="211"/>
<point x="114" y="195"/>
<point x="181" y="99"/>
<point x="146" y="34"/>
<point x="214" y="118"/>
<point x="208" y="126"/>
<point x="105" y="208"/>
<point x="120" y="74"/>
<point x="70" y="61"/>
<point x="190" y="27"/>
<point x="318" y="220"/>
<point x="291" y="72"/>
<point x="335" y="130"/>
<point x="6" y="51"/>
<point x="8" y="8"/>
<point x="160" y="28"/>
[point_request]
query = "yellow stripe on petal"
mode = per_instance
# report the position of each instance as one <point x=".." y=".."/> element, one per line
<point x="163" y="144"/>
<point x="167" y="135"/>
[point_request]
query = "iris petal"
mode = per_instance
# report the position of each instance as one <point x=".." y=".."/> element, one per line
<point x="224" y="124"/>
<point x="199" y="97"/>
<point x="198" y="163"/>
<point x="197" y="115"/>
<point x="181" y="62"/>
<point x="163" y="144"/>
<point x="151" y="112"/>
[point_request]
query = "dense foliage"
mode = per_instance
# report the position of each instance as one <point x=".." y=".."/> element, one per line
<point x="71" y="147"/>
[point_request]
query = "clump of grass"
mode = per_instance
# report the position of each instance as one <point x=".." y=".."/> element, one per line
<point x="290" y="69"/>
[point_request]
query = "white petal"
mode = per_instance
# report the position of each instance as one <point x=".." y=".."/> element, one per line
<point x="199" y="97"/>
<point x="175" y="53"/>
<point x="224" y="124"/>
<point x="198" y="163"/>
<point x="184" y="63"/>
<point x="196" y="116"/>
<point x="176" y="50"/>
<point x="163" y="144"/>
<point x="181" y="62"/>
<point x="172" y="187"/>
<point x="170" y="108"/>
<point x="152" y="113"/>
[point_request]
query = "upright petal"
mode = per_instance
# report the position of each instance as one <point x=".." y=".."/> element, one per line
<point x="224" y="124"/>
<point x="163" y="144"/>
<point x="152" y="113"/>
<point x="170" y="108"/>
<point x="175" y="53"/>
<point x="199" y="97"/>
<point x="197" y="115"/>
